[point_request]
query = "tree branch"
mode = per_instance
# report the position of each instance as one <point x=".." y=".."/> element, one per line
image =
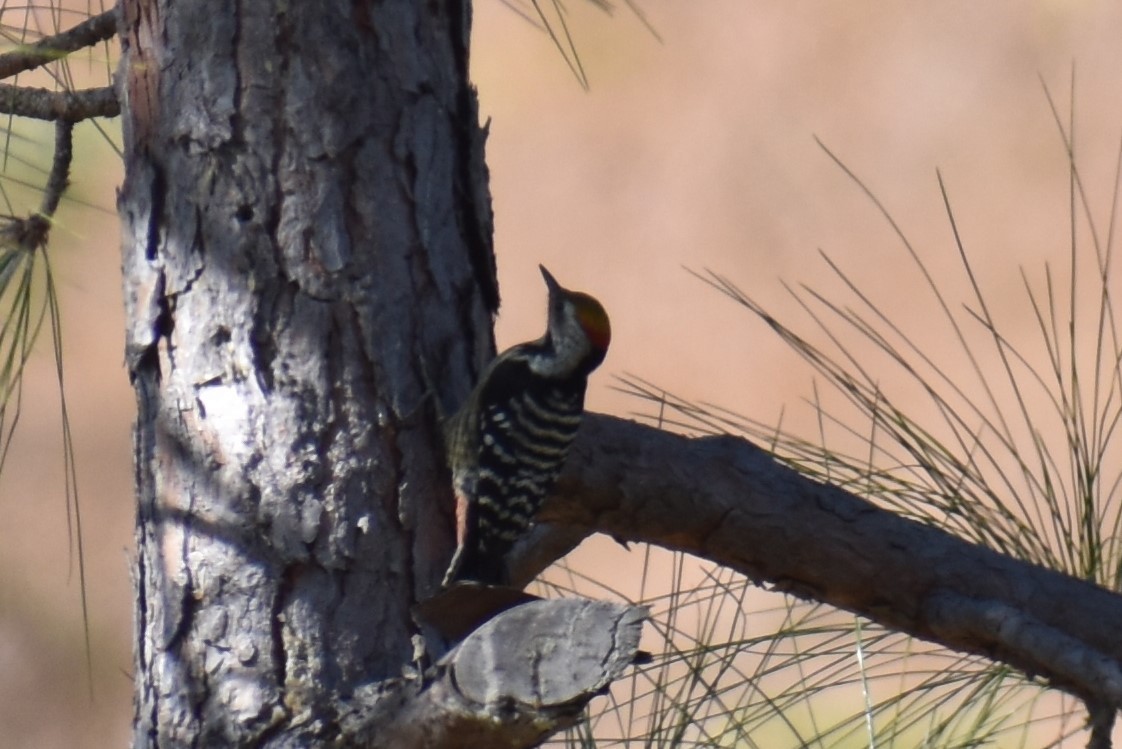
<point x="59" y="178"/>
<point x="50" y="48"/>
<point x="29" y="234"/>
<point x="44" y="104"/>
<point x="522" y="676"/>
<point x="725" y="500"/>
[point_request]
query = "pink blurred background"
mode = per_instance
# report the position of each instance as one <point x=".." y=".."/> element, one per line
<point x="695" y="151"/>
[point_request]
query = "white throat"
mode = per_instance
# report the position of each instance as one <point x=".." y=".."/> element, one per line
<point x="570" y="347"/>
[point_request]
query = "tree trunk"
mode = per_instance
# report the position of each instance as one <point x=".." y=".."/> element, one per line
<point x="306" y="238"/>
<point x="309" y="286"/>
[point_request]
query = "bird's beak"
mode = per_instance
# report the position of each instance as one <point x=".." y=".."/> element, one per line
<point x="550" y="281"/>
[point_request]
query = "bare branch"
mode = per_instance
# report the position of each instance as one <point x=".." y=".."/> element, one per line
<point x="31" y="233"/>
<point x="44" y="104"/>
<point x="521" y="677"/>
<point x="725" y="500"/>
<point x="50" y="48"/>
<point x="1019" y="636"/>
<point x="59" y="178"/>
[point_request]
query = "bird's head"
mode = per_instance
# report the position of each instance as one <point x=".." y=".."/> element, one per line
<point x="579" y="330"/>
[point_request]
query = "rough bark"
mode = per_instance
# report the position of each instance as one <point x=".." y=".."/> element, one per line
<point x="725" y="500"/>
<point x="305" y="237"/>
<point x="522" y="676"/>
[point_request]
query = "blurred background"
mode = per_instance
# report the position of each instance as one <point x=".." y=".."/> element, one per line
<point x="693" y="147"/>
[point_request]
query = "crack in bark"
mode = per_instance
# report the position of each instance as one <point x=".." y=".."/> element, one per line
<point x="237" y="137"/>
<point x="475" y="213"/>
<point x="279" y="651"/>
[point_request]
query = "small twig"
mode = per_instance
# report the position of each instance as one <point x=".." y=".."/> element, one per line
<point x="50" y="48"/>
<point x="59" y="177"/>
<point x="44" y="104"/>
<point x="31" y="233"/>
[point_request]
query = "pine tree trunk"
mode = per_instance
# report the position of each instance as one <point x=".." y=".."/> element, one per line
<point x="308" y="274"/>
<point x="309" y="284"/>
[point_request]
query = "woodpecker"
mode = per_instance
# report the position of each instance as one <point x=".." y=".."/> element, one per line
<point x="507" y="443"/>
